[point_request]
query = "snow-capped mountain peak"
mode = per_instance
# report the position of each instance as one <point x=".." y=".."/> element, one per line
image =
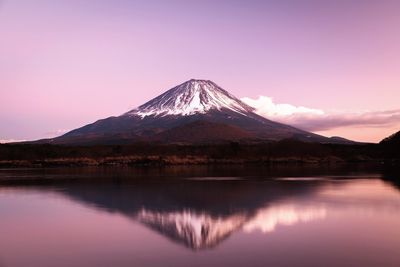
<point x="191" y="97"/>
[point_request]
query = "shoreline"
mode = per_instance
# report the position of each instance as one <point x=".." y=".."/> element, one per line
<point x="179" y="160"/>
<point x="143" y="154"/>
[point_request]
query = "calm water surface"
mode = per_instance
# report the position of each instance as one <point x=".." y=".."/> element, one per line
<point x="199" y="217"/>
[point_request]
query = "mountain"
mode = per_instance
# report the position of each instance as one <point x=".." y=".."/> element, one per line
<point x="393" y="139"/>
<point x="390" y="146"/>
<point x="203" y="131"/>
<point x="195" y="111"/>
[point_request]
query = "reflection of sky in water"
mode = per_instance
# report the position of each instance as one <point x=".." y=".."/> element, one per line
<point x="201" y="230"/>
<point x="46" y="225"/>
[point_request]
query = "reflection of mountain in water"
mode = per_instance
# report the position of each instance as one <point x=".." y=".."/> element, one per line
<point x="200" y="214"/>
<point x="200" y="230"/>
<point x="194" y="230"/>
<point x="392" y="176"/>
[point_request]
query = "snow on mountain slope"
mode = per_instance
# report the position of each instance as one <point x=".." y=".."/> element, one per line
<point x="195" y="230"/>
<point x="191" y="97"/>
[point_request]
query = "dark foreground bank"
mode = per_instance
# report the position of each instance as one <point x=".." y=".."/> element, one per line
<point x="286" y="151"/>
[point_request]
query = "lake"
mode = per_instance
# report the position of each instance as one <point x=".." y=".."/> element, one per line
<point x="200" y="216"/>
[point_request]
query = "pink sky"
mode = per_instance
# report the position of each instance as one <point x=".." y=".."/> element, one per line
<point x="64" y="63"/>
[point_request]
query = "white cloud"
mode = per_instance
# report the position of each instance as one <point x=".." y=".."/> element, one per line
<point x="4" y="141"/>
<point x="56" y="133"/>
<point x="318" y="120"/>
<point x="266" y="107"/>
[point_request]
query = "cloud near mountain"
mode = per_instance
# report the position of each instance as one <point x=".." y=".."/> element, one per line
<point x="4" y="141"/>
<point x="265" y="106"/>
<point x="311" y="119"/>
<point x="56" y="132"/>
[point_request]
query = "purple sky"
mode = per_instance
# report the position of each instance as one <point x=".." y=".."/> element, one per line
<point x="67" y="63"/>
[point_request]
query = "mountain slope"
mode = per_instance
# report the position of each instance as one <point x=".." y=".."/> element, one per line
<point x="178" y="108"/>
<point x="189" y="98"/>
<point x="391" y="146"/>
<point x="203" y="131"/>
<point x="393" y="139"/>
